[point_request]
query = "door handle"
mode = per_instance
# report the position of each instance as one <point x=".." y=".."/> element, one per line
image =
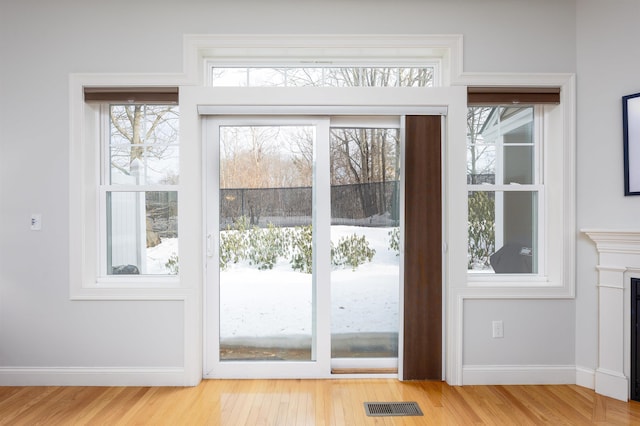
<point x="209" y="245"/>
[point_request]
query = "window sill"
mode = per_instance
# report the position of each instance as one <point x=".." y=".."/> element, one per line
<point x="138" y="281"/>
<point x="490" y="279"/>
<point x="517" y="286"/>
<point x="138" y="288"/>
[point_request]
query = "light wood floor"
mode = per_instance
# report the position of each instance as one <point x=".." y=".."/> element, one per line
<point x="310" y="402"/>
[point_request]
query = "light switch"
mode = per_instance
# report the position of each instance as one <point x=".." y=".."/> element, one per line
<point x="497" y="329"/>
<point x="36" y="222"/>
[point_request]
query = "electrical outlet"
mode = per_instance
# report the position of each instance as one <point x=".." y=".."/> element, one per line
<point x="498" y="329"/>
<point x="36" y="222"/>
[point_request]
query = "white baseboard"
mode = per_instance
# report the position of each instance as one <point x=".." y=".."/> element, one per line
<point x="68" y="376"/>
<point x="518" y="374"/>
<point x="586" y="377"/>
<point x="612" y="384"/>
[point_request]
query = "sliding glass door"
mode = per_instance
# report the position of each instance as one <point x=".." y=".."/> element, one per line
<point x="365" y="245"/>
<point x="265" y="241"/>
<point x="303" y="239"/>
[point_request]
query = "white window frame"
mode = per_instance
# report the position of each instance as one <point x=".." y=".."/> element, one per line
<point x="556" y="217"/>
<point x="105" y="279"/>
<point x="89" y="137"/>
<point x="500" y="188"/>
<point x="326" y="63"/>
<point x="443" y="51"/>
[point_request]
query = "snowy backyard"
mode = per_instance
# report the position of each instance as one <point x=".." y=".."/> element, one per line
<point x="259" y="304"/>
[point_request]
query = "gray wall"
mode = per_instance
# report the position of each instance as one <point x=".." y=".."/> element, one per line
<point x="608" y="68"/>
<point x="41" y="42"/>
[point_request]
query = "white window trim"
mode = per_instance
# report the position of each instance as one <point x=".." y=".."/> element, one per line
<point x="558" y="176"/>
<point x="537" y="186"/>
<point x="197" y="48"/>
<point x="326" y="62"/>
<point x="443" y="50"/>
<point x="85" y="262"/>
<point x="561" y="127"/>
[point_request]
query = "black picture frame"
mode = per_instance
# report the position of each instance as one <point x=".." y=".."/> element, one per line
<point x="631" y="136"/>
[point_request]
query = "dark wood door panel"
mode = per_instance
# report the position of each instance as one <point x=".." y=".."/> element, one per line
<point x="423" y="249"/>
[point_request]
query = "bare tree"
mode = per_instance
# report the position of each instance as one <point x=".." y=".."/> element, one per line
<point x="301" y="144"/>
<point x="260" y="160"/>
<point x="360" y="156"/>
<point x="265" y="157"/>
<point x="379" y="77"/>
<point x="480" y="157"/>
<point x="142" y="132"/>
<point x="480" y="169"/>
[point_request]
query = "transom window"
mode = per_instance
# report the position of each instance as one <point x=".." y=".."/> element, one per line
<point x="323" y="76"/>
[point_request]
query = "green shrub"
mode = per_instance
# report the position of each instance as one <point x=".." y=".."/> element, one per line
<point x="172" y="264"/>
<point x="301" y="249"/>
<point x="263" y="247"/>
<point x="482" y="239"/>
<point x="394" y="240"/>
<point x="233" y="243"/>
<point x="351" y="251"/>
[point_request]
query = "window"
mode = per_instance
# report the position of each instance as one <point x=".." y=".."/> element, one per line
<point x="505" y="189"/>
<point x="138" y="189"/>
<point x="96" y="245"/>
<point x="517" y="181"/>
<point x="334" y="76"/>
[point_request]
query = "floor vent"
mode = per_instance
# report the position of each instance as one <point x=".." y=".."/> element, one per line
<point x="392" y="409"/>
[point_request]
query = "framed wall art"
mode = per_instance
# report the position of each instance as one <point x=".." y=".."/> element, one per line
<point x="631" y="134"/>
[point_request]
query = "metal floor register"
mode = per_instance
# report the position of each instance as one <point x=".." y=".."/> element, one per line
<point x="392" y="409"/>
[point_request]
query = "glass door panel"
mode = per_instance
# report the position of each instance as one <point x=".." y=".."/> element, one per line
<point x="265" y="243"/>
<point x="303" y="241"/>
<point x="365" y="242"/>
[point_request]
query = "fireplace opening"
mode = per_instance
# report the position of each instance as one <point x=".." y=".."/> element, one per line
<point x="635" y="339"/>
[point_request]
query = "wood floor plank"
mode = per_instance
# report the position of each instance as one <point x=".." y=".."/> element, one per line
<point x="510" y="406"/>
<point x="21" y="402"/>
<point x="311" y="402"/>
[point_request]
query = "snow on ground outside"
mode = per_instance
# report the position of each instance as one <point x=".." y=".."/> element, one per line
<point x="277" y="302"/>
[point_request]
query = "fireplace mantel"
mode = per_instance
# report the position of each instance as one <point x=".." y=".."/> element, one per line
<point x="618" y="262"/>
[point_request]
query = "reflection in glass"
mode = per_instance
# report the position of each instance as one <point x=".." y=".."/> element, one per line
<point x="500" y="145"/>
<point x="518" y="165"/>
<point x="503" y="231"/>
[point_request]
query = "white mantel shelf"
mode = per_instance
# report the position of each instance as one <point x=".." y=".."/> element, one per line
<point x="618" y="262"/>
<point x="612" y="240"/>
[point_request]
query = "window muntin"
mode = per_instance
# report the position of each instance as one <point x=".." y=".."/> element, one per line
<point x="334" y="76"/>
<point x="138" y="190"/>
<point x="505" y="190"/>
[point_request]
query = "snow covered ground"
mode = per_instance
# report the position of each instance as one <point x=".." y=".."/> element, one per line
<point x="276" y="303"/>
<point x="157" y="256"/>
